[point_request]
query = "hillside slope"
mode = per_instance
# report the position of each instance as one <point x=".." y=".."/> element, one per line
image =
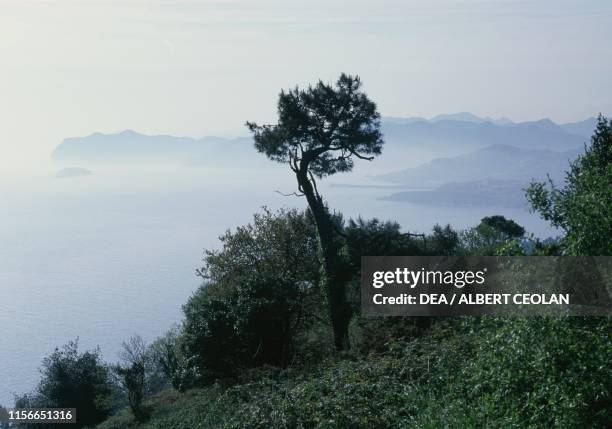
<point x="530" y="372"/>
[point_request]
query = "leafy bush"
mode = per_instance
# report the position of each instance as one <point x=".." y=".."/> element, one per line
<point x="170" y="364"/>
<point x="529" y="372"/>
<point x="260" y="290"/>
<point x="251" y="326"/>
<point x="70" y="379"/>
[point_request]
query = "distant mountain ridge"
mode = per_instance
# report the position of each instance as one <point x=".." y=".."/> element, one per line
<point x="131" y="147"/>
<point x="498" y="162"/>
<point x="582" y="128"/>
<point x="461" y="117"/>
<point x="493" y="176"/>
<point x="446" y="134"/>
<point x="452" y="134"/>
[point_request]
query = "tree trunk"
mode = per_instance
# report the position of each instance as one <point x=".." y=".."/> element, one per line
<point x="333" y="285"/>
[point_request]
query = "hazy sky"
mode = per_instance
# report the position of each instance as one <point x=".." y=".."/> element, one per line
<point x="73" y="67"/>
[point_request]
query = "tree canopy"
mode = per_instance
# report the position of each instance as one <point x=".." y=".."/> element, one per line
<point x="322" y="128"/>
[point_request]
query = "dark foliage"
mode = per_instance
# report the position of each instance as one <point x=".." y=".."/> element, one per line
<point x="324" y="126"/>
<point x="70" y="379"/>
<point x="509" y="228"/>
<point x="133" y="380"/>
<point x="260" y="290"/>
<point x="373" y="237"/>
<point x="443" y="241"/>
<point x="168" y="357"/>
<point x="132" y="372"/>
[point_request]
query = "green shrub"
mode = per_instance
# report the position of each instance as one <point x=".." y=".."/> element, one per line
<point x="169" y="364"/>
<point x="70" y="379"/>
<point x="260" y="292"/>
<point x="544" y="372"/>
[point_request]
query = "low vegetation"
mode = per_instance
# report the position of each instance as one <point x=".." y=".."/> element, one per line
<point x="475" y="372"/>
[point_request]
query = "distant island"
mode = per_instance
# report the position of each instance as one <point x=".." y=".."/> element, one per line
<point x="73" y="172"/>
<point x="131" y="147"/>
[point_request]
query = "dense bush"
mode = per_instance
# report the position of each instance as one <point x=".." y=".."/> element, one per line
<point x="373" y="237"/>
<point x="260" y="289"/>
<point x="272" y="245"/>
<point x="209" y="334"/>
<point x="538" y="372"/>
<point x="70" y="379"/>
<point x="252" y="325"/>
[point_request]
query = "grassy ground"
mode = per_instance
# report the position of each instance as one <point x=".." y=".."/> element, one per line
<point x="496" y="373"/>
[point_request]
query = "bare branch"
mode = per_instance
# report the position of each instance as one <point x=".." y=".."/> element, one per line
<point x="423" y="236"/>
<point x="415" y="234"/>
<point x="292" y="194"/>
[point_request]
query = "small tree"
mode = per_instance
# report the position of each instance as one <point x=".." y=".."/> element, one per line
<point x="74" y="380"/>
<point x="167" y="357"/>
<point x="443" y="241"/>
<point x="319" y="132"/>
<point x="583" y="208"/>
<point x="506" y="228"/>
<point x="131" y="372"/>
<point x="490" y="235"/>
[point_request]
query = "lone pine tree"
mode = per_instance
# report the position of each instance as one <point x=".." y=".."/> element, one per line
<point x="320" y="131"/>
